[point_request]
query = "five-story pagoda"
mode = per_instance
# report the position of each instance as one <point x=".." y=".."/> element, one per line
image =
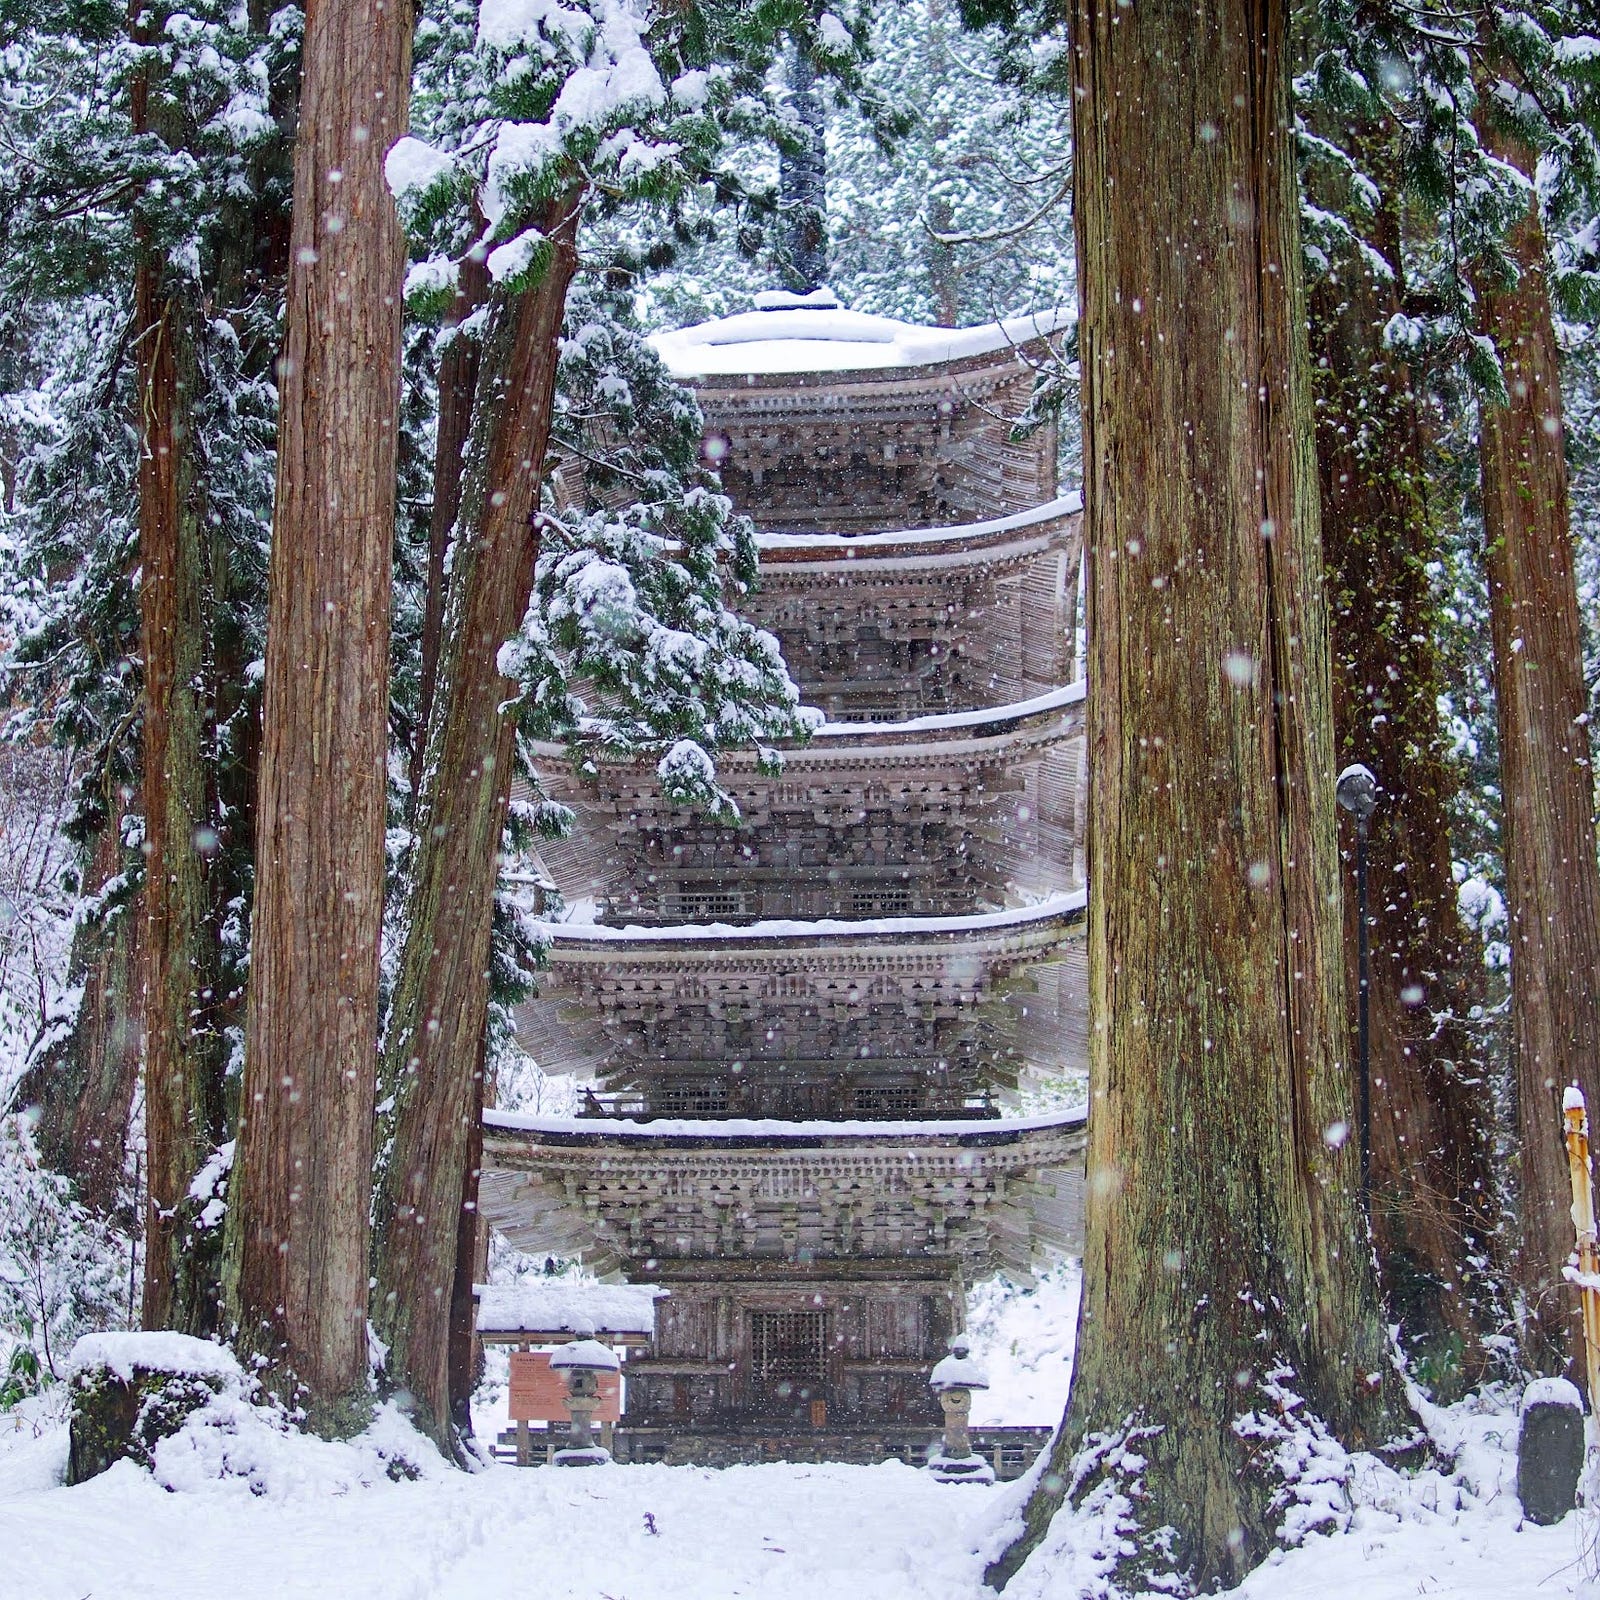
<point x="801" y="1024"/>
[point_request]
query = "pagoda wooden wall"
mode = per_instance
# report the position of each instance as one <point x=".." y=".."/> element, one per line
<point x="857" y="451"/>
<point x="878" y="1340"/>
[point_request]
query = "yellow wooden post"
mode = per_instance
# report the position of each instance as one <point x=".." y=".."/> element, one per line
<point x="1587" y="1276"/>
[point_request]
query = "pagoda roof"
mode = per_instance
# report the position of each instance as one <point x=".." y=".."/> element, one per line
<point x="790" y="335"/>
<point x="668" y="1194"/>
<point x="1002" y="933"/>
<point x="988" y="734"/>
<point x="738" y="1133"/>
<point x="1022" y="533"/>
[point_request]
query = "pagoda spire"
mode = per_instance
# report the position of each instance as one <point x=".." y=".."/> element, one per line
<point x="803" y="183"/>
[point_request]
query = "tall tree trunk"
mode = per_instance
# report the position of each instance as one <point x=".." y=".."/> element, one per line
<point x="298" y="1213"/>
<point x="458" y="383"/>
<point x="1433" y="1183"/>
<point x="465" y="1355"/>
<point x="183" y="1077"/>
<point x="432" y="1062"/>
<point x="1546" y="775"/>
<point x="182" y="1061"/>
<point x="1225" y="1253"/>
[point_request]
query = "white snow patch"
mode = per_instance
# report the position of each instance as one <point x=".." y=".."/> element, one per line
<point x="958" y="1372"/>
<point x="954" y="533"/>
<point x="1071" y="694"/>
<point x="723" y="1128"/>
<point x="512" y="257"/>
<point x="121" y="1354"/>
<point x="831" y="339"/>
<point x="412" y="166"/>
<point x="1552" y="1392"/>
<point x="1057" y="906"/>
<point x="588" y="1353"/>
<point x="556" y="1305"/>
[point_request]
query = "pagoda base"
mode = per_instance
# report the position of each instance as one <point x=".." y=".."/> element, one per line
<point x="1007" y="1453"/>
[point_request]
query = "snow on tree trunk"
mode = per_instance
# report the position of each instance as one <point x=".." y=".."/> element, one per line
<point x="442" y="995"/>
<point x="1226" y="1261"/>
<point x="298" y="1214"/>
<point x="1546" y="775"/>
<point x="1433" y="1182"/>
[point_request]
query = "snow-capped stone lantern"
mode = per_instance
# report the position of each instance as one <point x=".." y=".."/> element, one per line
<point x="580" y="1364"/>
<point x="953" y="1380"/>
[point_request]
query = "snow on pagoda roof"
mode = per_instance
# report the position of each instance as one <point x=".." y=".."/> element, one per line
<point x="556" y="1307"/>
<point x="984" y="1130"/>
<point x="953" y="533"/>
<point x="1071" y="694"/>
<point x="1058" y="905"/>
<point x="814" y="333"/>
<point x="831" y="740"/>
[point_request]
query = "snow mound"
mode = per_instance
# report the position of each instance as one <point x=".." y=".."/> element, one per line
<point x="121" y="1354"/>
<point x="232" y="1449"/>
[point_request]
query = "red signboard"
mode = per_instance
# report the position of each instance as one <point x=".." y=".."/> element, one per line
<point x="539" y="1395"/>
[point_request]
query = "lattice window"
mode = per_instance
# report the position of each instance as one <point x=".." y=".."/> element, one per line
<point x="689" y="1097"/>
<point x="789" y="1346"/>
<point x="883" y="902"/>
<point x="708" y="904"/>
<point x="888" y="1099"/>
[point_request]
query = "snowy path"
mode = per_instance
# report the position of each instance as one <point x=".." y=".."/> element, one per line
<point x="789" y="1532"/>
<point x="806" y="1533"/>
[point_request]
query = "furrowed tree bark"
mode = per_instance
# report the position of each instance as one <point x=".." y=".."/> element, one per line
<point x="458" y="383"/>
<point x="182" y="1058"/>
<point x="1546" y="771"/>
<point x="1435" y="1213"/>
<point x="464" y="1360"/>
<point x="433" y="1063"/>
<point x="298" y="1214"/>
<point x="1225" y="1251"/>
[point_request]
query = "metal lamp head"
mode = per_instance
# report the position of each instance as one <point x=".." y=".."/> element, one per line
<point x="1358" y="791"/>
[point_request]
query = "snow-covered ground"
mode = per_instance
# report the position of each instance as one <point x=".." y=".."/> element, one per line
<point x="236" y="1508"/>
<point x="305" y="1519"/>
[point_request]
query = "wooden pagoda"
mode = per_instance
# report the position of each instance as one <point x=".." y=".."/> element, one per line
<point x="804" y="1027"/>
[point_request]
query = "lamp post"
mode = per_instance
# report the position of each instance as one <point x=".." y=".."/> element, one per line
<point x="1358" y="794"/>
<point x="580" y="1364"/>
<point x="953" y="1380"/>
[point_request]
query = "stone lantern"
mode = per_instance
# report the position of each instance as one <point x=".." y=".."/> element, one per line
<point x="580" y="1364"/>
<point x="953" y="1380"/>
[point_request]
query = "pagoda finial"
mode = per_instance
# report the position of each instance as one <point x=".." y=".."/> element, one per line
<point x="803" y="184"/>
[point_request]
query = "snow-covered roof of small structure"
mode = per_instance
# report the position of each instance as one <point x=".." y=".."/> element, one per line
<point x="572" y="1308"/>
<point x="814" y="333"/>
